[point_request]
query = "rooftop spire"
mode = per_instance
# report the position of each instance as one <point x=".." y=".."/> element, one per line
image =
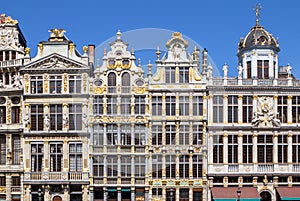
<point x="258" y="7"/>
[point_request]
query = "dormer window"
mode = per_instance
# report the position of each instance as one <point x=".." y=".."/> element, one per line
<point x="170" y="75"/>
<point x="263" y="69"/>
<point x="125" y="62"/>
<point x="111" y="62"/>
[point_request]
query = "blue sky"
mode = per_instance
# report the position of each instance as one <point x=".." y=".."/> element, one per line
<point x="214" y="24"/>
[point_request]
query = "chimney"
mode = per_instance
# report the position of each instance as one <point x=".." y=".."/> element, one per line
<point x="91" y="49"/>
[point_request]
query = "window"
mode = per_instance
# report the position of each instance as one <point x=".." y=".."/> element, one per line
<point x="183" y="194"/>
<point x="156" y="191"/>
<point x="16" y="149"/>
<point x="218" y="109"/>
<point x="112" y="166"/>
<point x="37" y="157"/>
<point x="112" y="134"/>
<point x="56" y="117"/>
<point x="170" y="75"/>
<point x="247" y="109"/>
<point x="139" y="165"/>
<point x="296" y="148"/>
<point x="55" y="84"/>
<point x="184" y="135"/>
<point x="265" y="148"/>
<point x="98" y="105"/>
<point x="112" y="83"/>
<point x="98" y="135"/>
<point x="139" y="131"/>
<point x="2" y="181"/>
<point x="7" y="79"/>
<point x="16" y="181"/>
<point x="37" y="116"/>
<point x="98" y="166"/>
<point x="156" y="105"/>
<point x="75" y="150"/>
<point x="139" y="105"/>
<point x="156" y="135"/>
<point x="126" y="166"/>
<point x="15" y="114"/>
<point x="75" y="84"/>
<point x="170" y="134"/>
<point x="184" y="105"/>
<point x="170" y="105"/>
<point x="197" y="105"/>
<point x="248" y="69"/>
<point x="156" y="166"/>
<point x="197" y="166"/>
<point x="2" y="114"/>
<point x="282" y="108"/>
<point x="232" y="149"/>
<point x="197" y="134"/>
<point x="125" y="106"/>
<point x="247" y="149"/>
<point x="56" y="157"/>
<point x="75" y="116"/>
<point x="3" y="149"/>
<point x="36" y="84"/>
<point x="170" y="166"/>
<point x="125" y="134"/>
<point x="218" y="149"/>
<point x="184" y="166"/>
<point x="263" y="69"/>
<point x="125" y="83"/>
<point x="184" y="75"/>
<point x="282" y="148"/>
<point x="232" y="109"/>
<point x="296" y="109"/>
<point x="112" y="105"/>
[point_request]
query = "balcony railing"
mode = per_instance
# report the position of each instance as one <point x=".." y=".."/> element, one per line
<point x="56" y="176"/>
<point x="16" y="62"/>
<point x="125" y="89"/>
<point x="265" y="168"/>
<point x="15" y="189"/>
<point x="112" y="90"/>
<point x="296" y="167"/>
<point x="233" y="168"/>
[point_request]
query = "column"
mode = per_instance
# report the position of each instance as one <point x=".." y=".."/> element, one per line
<point x="105" y="169"/>
<point x="119" y="195"/>
<point x="132" y="195"/>
<point x="46" y="156"/>
<point x="91" y="192"/>
<point x="275" y="147"/>
<point x="289" y="110"/>
<point x="225" y="147"/>
<point x="240" y="147"/>
<point x="164" y="104"/>
<point x="204" y="194"/>
<point x="255" y="147"/>
<point x="104" y="134"/>
<point x="290" y="147"/>
<point x="47" y="194"/>
<point x="147" y="194"/>
<point x="210" y="108"/>
<point x="210" y="148"/>
<point x="177" y="194"/>
<point x="27" y="192"/>
<point x="190" y="194"/>
<point x="66" y="156"/>
<point x="8" y="187"/>
<point x="177" y="166"/>
<point x="163" y="133"/>
<point x="164" y="194"/>
<point x="177" y="104"/>
<point x="104" y="194"/>
<point x="164" y="165"/>
<point x="225" y="109"/>
<point x="9" y="149"/>
<point x="275" y="104"/>
<point x="204" y="106"/>
<point x="240" y="109"/>
<point x="85" y="195"/>
<point x="190" y="165"/>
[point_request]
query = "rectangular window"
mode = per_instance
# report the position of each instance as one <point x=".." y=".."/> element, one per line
<point x="218" y="149"/>
<point x="125" y="134"/>
<point x="197" y="166"/>
<point x="75" y="116"/>
<point x="282" y="148"/>
<point x="184" y="105"/>
<point x="112" y="134"/>
<point x="170" y="75"/>
<point x="75" y="84"/>
<point x="98" y="135"/>
<point x="170" y="166"/>
<point x="282" y="108"/>
<point x="15" y="114"/>
<point x="112" y="166"/>
<point x="249" y="69"/>
<point x="139" y="105"/>
<point x="125" y="106"/>
<point x="197" y="105"/>
<point x="296" y="148"/>
<point x="56" y="117"/>
<point x="197" y="134"/>
<point x="247" y="109"/>
<point x="265" y="148"/>
<point x="232" y="149"/>
<point x="157" y="166"/>
<point x="55" y="84"/>
<point x="218" y="109"/>
<point x="16" y="181"/>
<point x="16" y="149"/>
<point x="112" y="105"/>
<point x="56" y="157"/>
<point x="98" y="166"/>
<point x="139" y="132"/>
<point x="296" y="109"/>
<point x="37" y="118"/>
<point x="98" y="105"/>
<point x="37" y="157"/>
<point x="36" y="84"/>
<point x="75" y="150"/>
<point x="139" y="165"/>
<point x="247" y="149"/>
<point x="126" y="166"/>
<point x="156" y="105"/>
<point x="263" y="69"/>
<point x="156" y="135"/>
<point x="170" y="105"/>
<point x="184" y="75"/>
<point x="184" y="135"/>
<point x="2" y="181"/>
<point x="232" y="109"/>
<point x="170" y="134"/>
<point x="3" y="149"/>
<point x="2" y="114"/>
<point x="184" y="166"/>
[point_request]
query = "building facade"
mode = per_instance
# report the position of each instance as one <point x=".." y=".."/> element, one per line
<point x="72" y="131"/>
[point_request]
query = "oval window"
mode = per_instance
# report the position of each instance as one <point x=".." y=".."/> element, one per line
<point x="2" y="100"/>
<point x="15" y="100"/>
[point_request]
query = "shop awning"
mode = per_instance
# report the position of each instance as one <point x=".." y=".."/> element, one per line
<point x="289" y="193"/>
<point x="230" y="194"/>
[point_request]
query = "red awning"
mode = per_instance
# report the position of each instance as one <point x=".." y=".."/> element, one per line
<point x="289" y="192"/>
<point x="230" y="192"/>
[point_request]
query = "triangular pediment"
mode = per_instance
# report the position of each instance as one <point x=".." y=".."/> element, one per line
<point x="55" y="62"/>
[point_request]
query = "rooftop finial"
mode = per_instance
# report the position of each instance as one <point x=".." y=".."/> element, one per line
<point x="119" y="34"/>
<point x="258" y="7"/>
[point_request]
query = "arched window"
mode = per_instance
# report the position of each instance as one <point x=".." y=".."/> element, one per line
<point x="112" y="82"/>
<point x="125" y="83"/>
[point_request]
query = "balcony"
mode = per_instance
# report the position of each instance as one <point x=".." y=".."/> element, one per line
<point x="265" y="168"/>
<point x="112" y="90"/>
<point x="9" y="63"/>
<point x="56" y="176"/>
<point x="296" y="167"/>
<point x="16" y="189"/>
